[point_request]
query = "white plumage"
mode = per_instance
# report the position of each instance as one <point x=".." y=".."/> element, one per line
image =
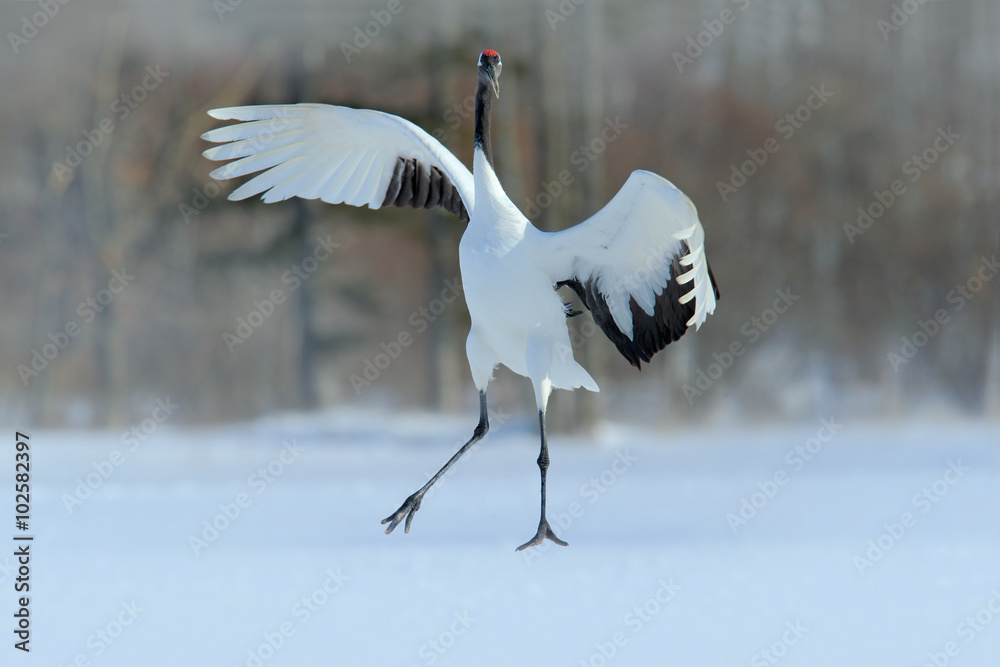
<point x="319" y="151"/>
<point x="342" y="155"/>
<point x="623" y="262"/>
<point x="628" y="245"/>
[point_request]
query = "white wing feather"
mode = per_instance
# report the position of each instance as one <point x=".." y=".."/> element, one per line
<point x="320" y="151"/>
<point x="627" y="248"/>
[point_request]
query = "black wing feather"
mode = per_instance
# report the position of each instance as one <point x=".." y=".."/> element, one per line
<point x="413" y="184"/>
<point x="650" y="333"/>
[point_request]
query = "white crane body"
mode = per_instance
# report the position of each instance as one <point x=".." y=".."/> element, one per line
<point x="638" y="264"/>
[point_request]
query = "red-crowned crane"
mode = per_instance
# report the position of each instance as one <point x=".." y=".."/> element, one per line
<point x="638" y="264"/>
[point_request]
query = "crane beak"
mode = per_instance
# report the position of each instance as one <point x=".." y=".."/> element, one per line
<point x="494" y="75"/>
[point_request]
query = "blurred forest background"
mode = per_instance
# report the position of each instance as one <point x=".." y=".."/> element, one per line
<point x="123" y="267"/>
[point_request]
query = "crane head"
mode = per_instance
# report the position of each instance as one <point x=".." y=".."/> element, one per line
<point x="489" y="68"/>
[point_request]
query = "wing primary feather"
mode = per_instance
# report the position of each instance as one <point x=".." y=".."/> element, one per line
<point x="670" y="317"/>
<point x="406" y="189"/>
<point x="395" y="182"/>
<point x="337" y="154"/>
<point x="422" y="188"/>
<point x="434" y="188"/>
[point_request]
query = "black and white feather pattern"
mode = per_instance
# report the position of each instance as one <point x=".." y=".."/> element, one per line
<point x="339" y="155"/>
<point x="639" y="266"/>
<point x="413" y="184"/>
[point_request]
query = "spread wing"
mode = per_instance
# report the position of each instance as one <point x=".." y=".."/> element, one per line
<point x="339" y="155"/>
<point x="639" y="266"/>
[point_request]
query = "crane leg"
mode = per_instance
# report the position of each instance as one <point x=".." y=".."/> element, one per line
<point x="544" y="531"/>
<point x="412" y="504"/>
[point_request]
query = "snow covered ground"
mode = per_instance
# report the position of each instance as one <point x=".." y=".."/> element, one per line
<point x="858" y="544"/>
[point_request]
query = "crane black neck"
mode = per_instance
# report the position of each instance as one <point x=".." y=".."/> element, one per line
<point x="484" y="106"/>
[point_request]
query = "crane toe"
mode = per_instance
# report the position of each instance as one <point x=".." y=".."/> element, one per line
<point x="544" y="533"/>
<point x="407" y="509"/>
